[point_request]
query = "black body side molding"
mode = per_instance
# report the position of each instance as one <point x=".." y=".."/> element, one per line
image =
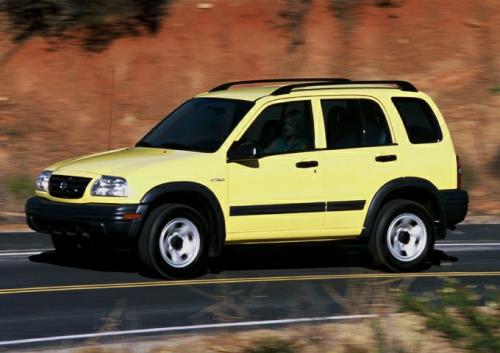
<point x="310" y="207"/>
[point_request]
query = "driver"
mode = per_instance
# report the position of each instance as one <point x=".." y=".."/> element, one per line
<point x="292" y="137"/>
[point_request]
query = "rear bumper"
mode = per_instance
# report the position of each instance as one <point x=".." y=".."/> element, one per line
<point x="455" y="204"/>
<point x="83" y="220"/>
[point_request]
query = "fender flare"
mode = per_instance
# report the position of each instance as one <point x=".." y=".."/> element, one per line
<point x="218" y="228"/>
<point x="400" y="184"/>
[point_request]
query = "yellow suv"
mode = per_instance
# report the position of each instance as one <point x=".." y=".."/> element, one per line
<point x="307" y="159"/>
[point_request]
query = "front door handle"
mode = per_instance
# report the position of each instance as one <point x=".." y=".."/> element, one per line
<point x="386" y="158"/>
<point x="306" y="164"/>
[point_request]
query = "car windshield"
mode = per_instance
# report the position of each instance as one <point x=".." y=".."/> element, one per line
<point x="200" y="124"/>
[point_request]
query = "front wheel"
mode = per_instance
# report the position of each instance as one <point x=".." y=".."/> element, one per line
<point x="403" y="236"/>
<point x="173" y="242"/>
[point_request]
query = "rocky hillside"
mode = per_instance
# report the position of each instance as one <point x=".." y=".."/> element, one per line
<point x="58" y="99"/>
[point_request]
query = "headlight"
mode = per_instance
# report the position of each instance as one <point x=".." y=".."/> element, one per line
<point x="42" y="181"/>
<point x="109" y="186"/>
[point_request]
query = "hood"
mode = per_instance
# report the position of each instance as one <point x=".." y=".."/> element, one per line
<point x="120" y="162"/>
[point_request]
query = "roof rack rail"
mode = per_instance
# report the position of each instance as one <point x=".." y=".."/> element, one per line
<point x="287" y="89"/>
<point x="402" y="85"/>
<point x="226" y="85"/>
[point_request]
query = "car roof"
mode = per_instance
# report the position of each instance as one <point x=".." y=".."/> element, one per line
<point x="254" y="93"/>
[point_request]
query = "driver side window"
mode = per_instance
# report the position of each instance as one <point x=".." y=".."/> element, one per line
<point x="282" y="128"/>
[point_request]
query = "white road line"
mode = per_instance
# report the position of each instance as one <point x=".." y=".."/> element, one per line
<point x="30" y="252"/>
<point x="466" y="244"/>
<point x="23" y="250"/>
<point x="25" y="253"/>
<point x="189" y="328"/>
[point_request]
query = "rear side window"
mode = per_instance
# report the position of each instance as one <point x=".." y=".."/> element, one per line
<point x="375" y="128"/>
<point x="351" y="123"/>
<point x="419" y="120"/>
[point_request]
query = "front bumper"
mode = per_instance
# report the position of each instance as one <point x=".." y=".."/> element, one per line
<point x="455" y="204"/>
<point x="84" y="220"/>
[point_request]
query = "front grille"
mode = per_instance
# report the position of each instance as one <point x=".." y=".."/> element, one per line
<point x="67" y="187"/>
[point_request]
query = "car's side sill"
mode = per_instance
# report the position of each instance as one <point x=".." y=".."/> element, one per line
<point x="291" y="240"/>
<point x="293" y="235"/>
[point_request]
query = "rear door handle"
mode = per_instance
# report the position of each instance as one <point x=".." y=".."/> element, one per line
<point x="386" y="158"/>
<point x="306" y="164"/>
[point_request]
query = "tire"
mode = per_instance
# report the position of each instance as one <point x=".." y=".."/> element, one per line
<point x="403" y="236"/>
<point x="173" y="242"/>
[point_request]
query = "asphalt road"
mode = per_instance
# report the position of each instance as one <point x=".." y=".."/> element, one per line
<point x="47" y="301"/>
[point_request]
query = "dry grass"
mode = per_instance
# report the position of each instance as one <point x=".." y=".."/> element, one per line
<point x="449" y="320"/>
<point x="389" y="334"/>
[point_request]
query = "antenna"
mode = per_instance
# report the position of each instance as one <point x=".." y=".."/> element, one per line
<point x="111" y="107"/>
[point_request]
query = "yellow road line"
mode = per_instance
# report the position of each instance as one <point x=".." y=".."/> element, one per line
<point x="237" y="280"/>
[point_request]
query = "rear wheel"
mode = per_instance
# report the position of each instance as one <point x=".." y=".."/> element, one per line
<point x="403" y="236"/>
<point x="173" y="242"/>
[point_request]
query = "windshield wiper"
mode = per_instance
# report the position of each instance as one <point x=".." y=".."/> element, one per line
<point x="174" y="146"/>
<point x="143" y="144"/>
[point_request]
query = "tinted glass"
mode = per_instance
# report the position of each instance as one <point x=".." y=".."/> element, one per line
<point x="200" y="124"/>
<point x="420" y="122"/>
<point x="375" y="130"/>
<point x="281" y="128"/>
<point x="351" y="123"/>
<point x="342" y="123"/>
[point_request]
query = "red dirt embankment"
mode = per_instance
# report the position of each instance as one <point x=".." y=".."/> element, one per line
<point x="56" y="101"/>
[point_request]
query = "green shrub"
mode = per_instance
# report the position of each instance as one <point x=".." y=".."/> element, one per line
<point x="272" y="346"/>
<point x="495" y="90"/>
<point x="99" y="21"/>
<point x="20" y="186"/>
<point x="455" y="313"/>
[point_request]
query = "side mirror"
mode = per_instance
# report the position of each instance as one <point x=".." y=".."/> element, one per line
<point x="242" y="152"/>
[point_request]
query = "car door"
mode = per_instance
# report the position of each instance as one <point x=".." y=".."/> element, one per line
<point x="279" y="194"/>
<point x="360" y="157"/>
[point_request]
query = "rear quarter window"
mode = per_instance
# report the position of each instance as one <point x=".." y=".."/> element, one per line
<point x="419" y="120"/>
